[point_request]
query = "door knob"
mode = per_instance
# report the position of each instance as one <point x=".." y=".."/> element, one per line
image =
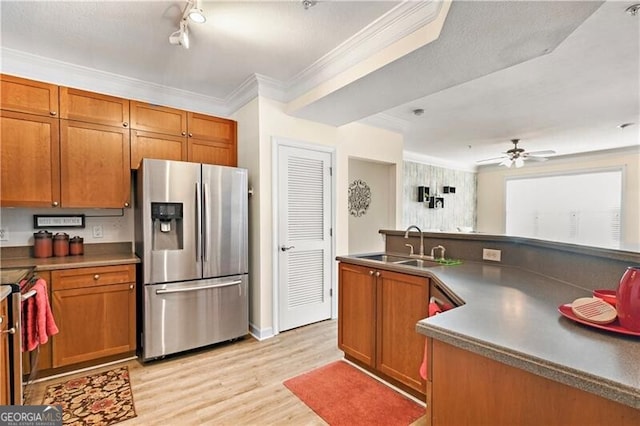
<point x="285" y="248"/>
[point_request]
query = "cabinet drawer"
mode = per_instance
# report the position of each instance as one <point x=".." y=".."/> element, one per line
<point x="33" y="97"/>
<point x="65" y="279"/>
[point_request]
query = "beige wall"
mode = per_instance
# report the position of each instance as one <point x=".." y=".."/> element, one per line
<point x="491" y="188"/>
<point x="363" y="230"/>
<point x="255" y="153"/>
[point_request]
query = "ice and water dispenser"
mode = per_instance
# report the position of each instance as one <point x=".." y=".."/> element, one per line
<point x="167" y="226"/>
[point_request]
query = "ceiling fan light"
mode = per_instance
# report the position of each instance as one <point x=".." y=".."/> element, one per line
<point x="519" y="162"/>
<point x="506" y="162"/>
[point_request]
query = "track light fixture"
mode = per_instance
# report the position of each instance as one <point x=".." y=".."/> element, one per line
<point x="193" y="12"/>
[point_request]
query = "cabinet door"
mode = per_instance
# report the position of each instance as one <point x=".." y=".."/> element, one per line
<point x="30" y="152"/>
<point x="356" y="312"/>
<point x="209" y="152"/>
<point x="95" y="164"/>
<point x="156" y="145"/>
<point x="5" y="373"/>
<point x="212" y="140"/>
<point x="93" y="108"/>
<point x="402" y="300"/>
<point x="94" y="322"/>
<point x="95" y="311"/>
<point x="158" y="119"/>
<point x="33" y="97"/>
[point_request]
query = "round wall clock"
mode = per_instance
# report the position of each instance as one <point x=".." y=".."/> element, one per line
<point x="359" y="197"/>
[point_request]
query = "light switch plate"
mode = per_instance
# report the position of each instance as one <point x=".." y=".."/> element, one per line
<point x="4" y="234"/>
<point x="97" y="231"/>
<point x="491" y="254"/>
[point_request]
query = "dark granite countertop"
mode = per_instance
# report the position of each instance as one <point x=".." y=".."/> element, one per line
<point x="511" y="315"/>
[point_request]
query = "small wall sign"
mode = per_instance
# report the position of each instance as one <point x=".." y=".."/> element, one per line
<point x="58" y="221"/>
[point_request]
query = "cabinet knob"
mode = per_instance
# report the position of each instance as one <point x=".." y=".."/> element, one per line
<point x="370" y="272"/>
<point x="54" y="204"/>
<point x="125" y="124"/>
<point x="53" y="113"/>
<point x="378" y="274"/>
<point x="131" y="286"/>
<point x="126" y="204"/>
<point x="96" y="277"/>
<point x="12" y="330"/>
<point x="184" y="133"/>
<point x="190" y="135"/>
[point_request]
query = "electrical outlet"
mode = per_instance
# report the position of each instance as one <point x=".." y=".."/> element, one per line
<point x="97" y="231"/>
<point x="4" y="234"/>
<point x="491" y="254"/>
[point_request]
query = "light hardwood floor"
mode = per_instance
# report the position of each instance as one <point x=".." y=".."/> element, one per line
<point x="230" y="384"/>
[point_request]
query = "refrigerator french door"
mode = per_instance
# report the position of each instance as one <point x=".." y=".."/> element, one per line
<point x="192" y="237"/>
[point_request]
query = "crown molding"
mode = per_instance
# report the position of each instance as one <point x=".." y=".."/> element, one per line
<point x="396" y="24"/>
<point x="438" y="162"/>
<point x="53" y="71"/>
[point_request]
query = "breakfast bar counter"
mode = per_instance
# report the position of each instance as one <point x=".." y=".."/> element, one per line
<point x="510" y="314"/>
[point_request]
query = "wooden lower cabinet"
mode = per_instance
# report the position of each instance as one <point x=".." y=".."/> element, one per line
<point x="95" y="310"/>
<point x="357" y="312"/>
<point x="377" y="315"/>
<point x="469" y="389"/>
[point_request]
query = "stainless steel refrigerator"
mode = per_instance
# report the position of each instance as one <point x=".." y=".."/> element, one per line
<point x="192" y="237"/>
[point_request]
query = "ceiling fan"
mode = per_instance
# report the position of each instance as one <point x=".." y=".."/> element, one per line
<point x="517" y="156"/>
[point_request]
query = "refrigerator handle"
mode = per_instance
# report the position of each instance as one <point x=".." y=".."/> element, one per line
<point x="205" y="213"/>
<point x="198" y="224"/>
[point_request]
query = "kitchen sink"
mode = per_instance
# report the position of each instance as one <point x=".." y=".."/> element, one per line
<point x="386" y="258"/>
<point x="421" y="263"/>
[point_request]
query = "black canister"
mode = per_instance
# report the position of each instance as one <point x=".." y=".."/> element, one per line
<point x="76" y="246"/>
<point x="42" y="244"/>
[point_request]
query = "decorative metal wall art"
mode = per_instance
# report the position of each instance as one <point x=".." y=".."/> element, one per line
<point x="359" y="197"/>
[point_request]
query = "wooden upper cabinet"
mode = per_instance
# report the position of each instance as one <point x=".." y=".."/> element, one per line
<point x="95" y="164"/>
<point x="30" y="172"/>
<point x="158" y="119"/>
<point x="33" y="97"/>
<point x="212" y="140"/>
<point x="156" y="145"/>
<point x="93" y="107"/>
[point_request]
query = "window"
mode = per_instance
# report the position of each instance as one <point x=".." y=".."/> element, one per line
<point x="579" y="208"/>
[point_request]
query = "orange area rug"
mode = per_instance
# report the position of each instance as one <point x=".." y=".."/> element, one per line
<point x="343" y="395"/>
<point x="100" y="399"/>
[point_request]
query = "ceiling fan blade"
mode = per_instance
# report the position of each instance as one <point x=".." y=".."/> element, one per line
<point x="547" y="152"/>
<point x="536" y="158"/>
<point x="491" y="159"/>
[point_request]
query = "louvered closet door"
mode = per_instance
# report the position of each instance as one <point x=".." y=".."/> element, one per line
<point x="304" y="243"/>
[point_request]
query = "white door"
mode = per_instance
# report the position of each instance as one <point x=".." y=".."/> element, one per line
<point x="304" y="236"/>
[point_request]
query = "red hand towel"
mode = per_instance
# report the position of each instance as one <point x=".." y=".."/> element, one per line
<point x="37" y="319"/>
<point x="434" y="309"/>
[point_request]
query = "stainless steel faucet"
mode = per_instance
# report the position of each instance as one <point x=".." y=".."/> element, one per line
<point x="406" y="235"/>
<point x="437" y="248"/>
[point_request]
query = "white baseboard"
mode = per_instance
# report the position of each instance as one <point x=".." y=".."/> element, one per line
<point x="260" y="334"/>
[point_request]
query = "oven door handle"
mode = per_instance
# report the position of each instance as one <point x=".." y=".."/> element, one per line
<point x="205" y="287"/>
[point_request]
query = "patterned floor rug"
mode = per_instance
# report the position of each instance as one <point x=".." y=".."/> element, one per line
<point x="100" y="399"/>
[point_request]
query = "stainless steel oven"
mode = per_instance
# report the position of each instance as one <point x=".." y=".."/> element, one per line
<point x="10" y="329"/>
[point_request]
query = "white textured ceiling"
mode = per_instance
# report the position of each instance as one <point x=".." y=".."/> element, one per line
<point x="558" y="75"/>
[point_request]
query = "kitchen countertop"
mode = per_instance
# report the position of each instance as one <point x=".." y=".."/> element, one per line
<point x="511" y="315"/>
<point x="69" y="262"/>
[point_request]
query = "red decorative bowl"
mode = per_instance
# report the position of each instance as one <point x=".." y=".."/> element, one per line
<point x="608" y="296"/>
